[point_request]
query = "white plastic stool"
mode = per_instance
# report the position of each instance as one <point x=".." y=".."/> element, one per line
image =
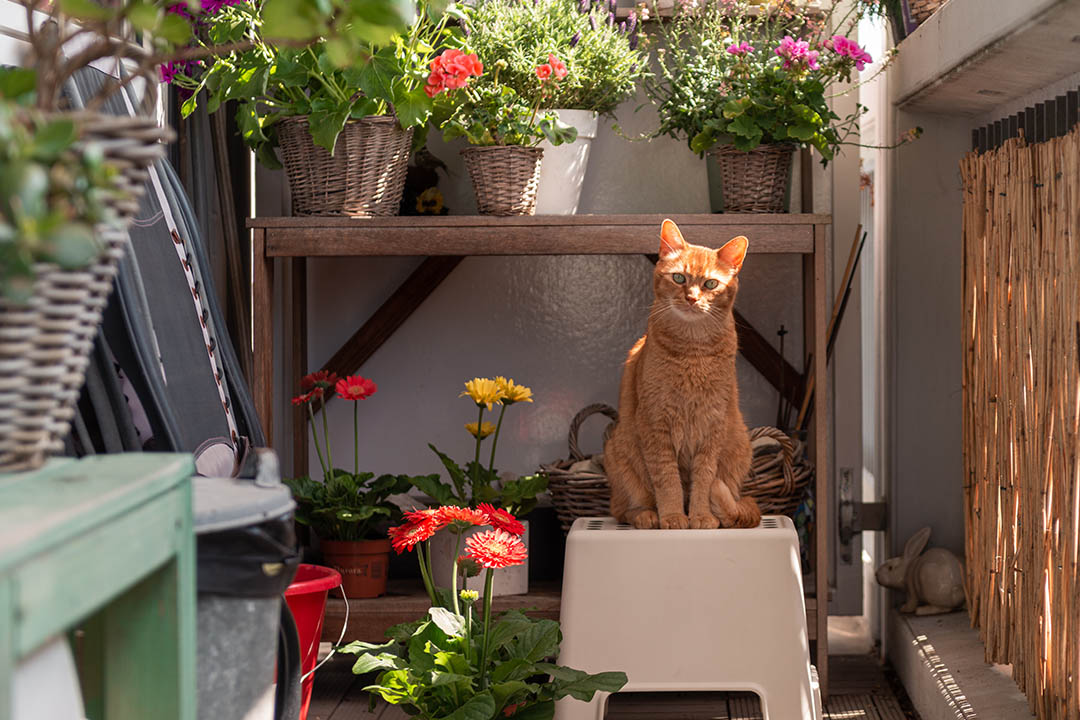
<point x="689" y="610"/>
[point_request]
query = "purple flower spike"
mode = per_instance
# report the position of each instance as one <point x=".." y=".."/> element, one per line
<point x="592" y="22"/>
<point x="632" y="26"/>
<point x="622" y="27"/>
<point x="583" y="6"/>
<point x="575" y="40"/>
<point x="633" y="46"/>
<point x="465" y="29"/>
<point x="611" y="19"/>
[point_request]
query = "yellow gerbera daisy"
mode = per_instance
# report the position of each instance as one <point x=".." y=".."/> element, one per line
<point x="483" y="391"/>
<point x="512" y="392"/>
<point x="486" y="429"/>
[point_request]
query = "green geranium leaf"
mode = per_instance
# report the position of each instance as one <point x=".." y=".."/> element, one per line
<point x="413" y="107"/>
<point x="325" y="128"/>
<point x="376" y="78"/>
<point x="744" y="126"/>
<point x="17" y="83"/>
<point x="702" y="141"/>
<point x="85" y="10"/>
<point x="144" y="15"/>
<point x="291" y="19"/>
<point x="173" y="28"/>
<point x="54" y="137"/>
<point x="802" y="132"/>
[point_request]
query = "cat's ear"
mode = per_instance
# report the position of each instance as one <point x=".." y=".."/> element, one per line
<point x="734" y="252"/>
<point x="671" y="240"/>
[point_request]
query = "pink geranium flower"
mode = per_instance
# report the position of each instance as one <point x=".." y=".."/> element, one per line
<point x="743" y="48"/>
<point x="796" y="52"/>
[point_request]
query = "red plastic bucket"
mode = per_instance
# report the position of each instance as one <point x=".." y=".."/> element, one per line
<point x="306" y="597"/>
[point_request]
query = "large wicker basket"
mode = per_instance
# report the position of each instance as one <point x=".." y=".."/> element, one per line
<point x="365" y="177"/>
<point x="755" y="181"/>
<point x="921" y="10"/>
<point x="779" y="474"/>
<point x="45" y="343"/>
<point x="505" y="178"/>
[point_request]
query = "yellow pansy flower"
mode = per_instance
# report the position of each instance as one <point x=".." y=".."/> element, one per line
<point x="485" y="429"/>
<point x="483" y="391"/>
<point x="512" y="392"/>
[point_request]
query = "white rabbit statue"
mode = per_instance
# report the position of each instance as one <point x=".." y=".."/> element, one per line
<point x="934" y="580"/>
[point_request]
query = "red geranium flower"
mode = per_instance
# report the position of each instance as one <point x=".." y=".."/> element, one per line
<point x="419" y="526"/>
<point x="355" y="388"/>
<point x="462" y="517"/>
<point x="495" y="549"/>
<point x="501" y="519"/>
<point x="543" y="72"/>
<point x="557" y="66"/>
<point x="451" y="71"/>
<point x="322" y="379"/>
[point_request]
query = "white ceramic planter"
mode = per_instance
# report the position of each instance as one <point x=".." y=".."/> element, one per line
<point x="563" y="170"/>
<point x="508" y="581"/>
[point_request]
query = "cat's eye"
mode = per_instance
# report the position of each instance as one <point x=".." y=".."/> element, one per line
<point x="711" y="283"/>
<point x="679" y="278"/>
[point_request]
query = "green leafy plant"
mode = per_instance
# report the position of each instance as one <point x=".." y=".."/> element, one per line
<point x="461" y="663"/>
<point x="604" y="62"/>
<point x="330" y="82"/>
<point x="476" y="483"/>
<point x="53" y="190"/>
<point x="344" y="505"/>
<point x="738" y="73"/>
<point x="146" y="34"/>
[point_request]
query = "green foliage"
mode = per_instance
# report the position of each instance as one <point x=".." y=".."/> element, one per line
<point x="376" y="65"/>
<point x="439" y="668"/>
<point x="347" y="506"/>
<point x="52" y="190"/>
<point x="475" y="484"/>
<point x="603" y="60"/>
<point x="707" y="95"/>
<point x="495" y="114"/>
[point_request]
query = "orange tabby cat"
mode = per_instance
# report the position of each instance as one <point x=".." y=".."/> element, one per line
<point x="680" y="435"/>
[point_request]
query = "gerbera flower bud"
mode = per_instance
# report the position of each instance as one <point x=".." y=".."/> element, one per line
<point x="469" y="595"/>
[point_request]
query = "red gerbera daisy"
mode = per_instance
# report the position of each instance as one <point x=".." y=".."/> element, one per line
<point x="355" y="388"/>
<point x="322" y="379"/>
<point x="302" y="399"/>
<point x="495" y="549"/>
<point x="501" y="519"/>
<point x="461" y="517"/>
<point x="419" y="526"/>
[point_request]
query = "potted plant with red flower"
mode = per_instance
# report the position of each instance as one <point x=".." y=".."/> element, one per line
<point x="461" y="661"/>
<point x="503" y="129"/>
<point x="347" y="510"/>
<point x="478" y="485"/>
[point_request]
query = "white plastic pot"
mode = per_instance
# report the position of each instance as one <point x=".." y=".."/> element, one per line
<point x="508" y="581"/>
<point x="563" y="171"/>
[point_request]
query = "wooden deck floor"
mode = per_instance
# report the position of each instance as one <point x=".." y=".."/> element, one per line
<point x="861" y="691"/>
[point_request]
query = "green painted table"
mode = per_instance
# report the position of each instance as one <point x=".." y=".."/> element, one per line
<point x="104" y="544"/>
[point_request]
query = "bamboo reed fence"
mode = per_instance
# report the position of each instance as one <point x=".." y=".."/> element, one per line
<point x="1021" y="345"/>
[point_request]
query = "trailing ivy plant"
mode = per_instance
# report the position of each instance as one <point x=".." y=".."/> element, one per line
<point x="327" y="81"/>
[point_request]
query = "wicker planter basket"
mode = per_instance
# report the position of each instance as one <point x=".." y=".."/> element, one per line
<point x="755" y="181"/>
<point x="505" y="178"/>
<point x="921" y="10"/>
<point x="365" y="177"/>
<point x="45" y="343"/>
<point x="779" y="474"/>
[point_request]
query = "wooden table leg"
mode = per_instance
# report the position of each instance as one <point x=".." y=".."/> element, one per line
<point x="298" y="343"/>
<point x="262" y="323"/>
<point x="821" y="451"/>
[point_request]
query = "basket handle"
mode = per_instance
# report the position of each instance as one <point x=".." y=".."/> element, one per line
<point x="585" y="412"/>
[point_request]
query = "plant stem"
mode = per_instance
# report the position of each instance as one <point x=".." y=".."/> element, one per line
<point x="476" y="461"/>
<point x="424" y="571"/>
<point x="487" y="627"/>
<point x="326" y="437"/>
<point x="315" y="438"/>
<point x="495" y="439"/>
<point x="453" y="586"/>
<point x="356" y="438"/>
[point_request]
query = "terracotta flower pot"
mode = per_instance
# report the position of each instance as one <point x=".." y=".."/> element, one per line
<point x="362" y="563"/>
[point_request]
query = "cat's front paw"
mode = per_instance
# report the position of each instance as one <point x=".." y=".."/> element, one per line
<point x="707" y="521"/>
<point x="645" y="520"/>
<point x="675" y="521"/>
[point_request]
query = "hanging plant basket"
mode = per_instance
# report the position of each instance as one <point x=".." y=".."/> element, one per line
<point x="755" y="181"/>
<point x="505" y="178"/>
<point x="365" y="177"/>
<point x="45" y="343"/>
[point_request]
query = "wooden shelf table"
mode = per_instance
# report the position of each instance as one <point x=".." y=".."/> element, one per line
<point x="445" y="240"/>
<point x="104" y="543"/>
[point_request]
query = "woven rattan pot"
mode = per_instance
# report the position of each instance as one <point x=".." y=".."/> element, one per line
<point x="365" y="177"/>
<point x="505" y="178"/>
<point x="45" y="343"/>
<point x="755" y="181"/>
<point x="779" y="474"/>
<point x="921" y="10"/>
